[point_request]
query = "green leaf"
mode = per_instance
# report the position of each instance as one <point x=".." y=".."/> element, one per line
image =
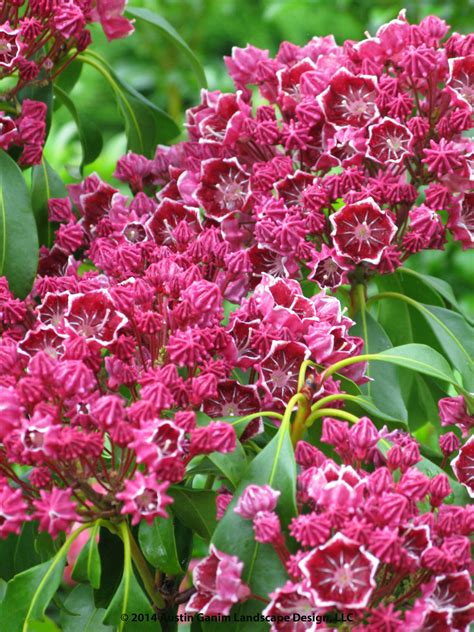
<point x="395" y="320"/>
<point x="89" y="133"/>
<point x="69" y="76"/>
<point x="81" y="615"/>
<point x="18" y="234"/>
<point x="29" y="593"/>
<point x="88" y="566"/>
<point x="231" y="464"/>
<point x="145" y="123"/>
<point x="171" y="34"/>
<point x="46" y="625"/>
<point x="439" y="285"/>
<point x="45" y="184"/>
<point x="420" y="358"/>
<point x="422" y="404"/>
<point x="129" y="599"/>
<point x="25" y="553"/>
<point x="456" y="337"/>
<point x="263" y="571"/>
<point x="384" y="391"/>
<point x="195" y="508"/>
<point x="158" y="545"/>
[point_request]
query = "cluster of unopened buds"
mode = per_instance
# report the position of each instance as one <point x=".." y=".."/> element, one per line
<point x="38" y="40"/>
<point x="376" y="544"/>
<point x="357" y="158"/>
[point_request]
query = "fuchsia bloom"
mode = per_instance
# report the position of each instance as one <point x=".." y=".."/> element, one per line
<point x="256" y="499"/>
<point x="110" y="15"/>
<point x="362" y="230"/>
<point x="463" y="466"/>
<point x="219" y="585"/>
<point x="144" y="498"/>
<point x="340" y="573"/>
<point x="55" y="511"/>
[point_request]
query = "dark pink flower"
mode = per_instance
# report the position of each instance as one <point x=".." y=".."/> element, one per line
<point x="10" y="46"/>
<point x="144" y="498"/>
<point x="216" y="437"/>
<point x="93" y="316"/>
<point x="389" y="142"/>
<point x="55" y="510"/>
<point x="350" y="99"/>
<point x="339" y="574"/>
<point x="362" y="231"/>
<point x="219" y="585"/>
<point x="223" y="190"/>
<point x="463" y="466"/>
<point x="110" y="15"/>
<point x="13" y="512"/>
<point x="256" y="498"/>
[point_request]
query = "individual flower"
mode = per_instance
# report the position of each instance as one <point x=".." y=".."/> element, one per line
<point x="389" y="142"/>
<point x="256" y="498"/>
<point x="144" y="498"/>
<point x="362" y="231"/>
<point x="339" y="574"/>
<point x="219" y="586"/>
<point x="55" y="510"/>
<point x="463" y="466"/>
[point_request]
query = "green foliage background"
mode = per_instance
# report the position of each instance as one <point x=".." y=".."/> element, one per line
<point x="153" y="65"/>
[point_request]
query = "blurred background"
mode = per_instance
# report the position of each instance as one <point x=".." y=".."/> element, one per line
<point x="155" y="67"/>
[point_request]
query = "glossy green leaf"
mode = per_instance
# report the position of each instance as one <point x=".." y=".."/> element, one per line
<point x="420" y="358"/>
<point x="263" y="571"/>
<point x="145" y="123"/>
<point x="231" y="465"/>
<point x="158" y="545"/>
<point x="80" y="613"/>
<point x="29" y="593"/>
<point x="89" y="134"/>
<point x="439" y="285"/>
<point x="456" y="337"/>
<point x="88" y="566"/>
<point x="45" y="184"/>
<point x="129" y="598"/>
<point x="384" y="390"/>
<point x="18" y="234"/>
<point x="171" y="34"/>
<point x="69" y="76"/>
<point x="195" y="508"/>
<point x="422" y="404"/>
<point x="25" y="554"/>
<point x="45" y="625"/>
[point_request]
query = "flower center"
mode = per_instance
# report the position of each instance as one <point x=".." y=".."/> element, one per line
<point x="230" y="410"/>
<point x="147" y="501"/>
<point x="362" y="232"/>
<point x="343" y="577"/>
<point x="395" y="143"/>
<point x="280" y="378"/>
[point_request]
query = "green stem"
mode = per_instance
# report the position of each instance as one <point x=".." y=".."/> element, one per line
<point x="302" y="374"/>
<point x="264" y="413"/>
<point x="331" y="412"/>
<point x="132" y="552"/>
<point x="334" y="398"/>
<point x="299" y="425"/>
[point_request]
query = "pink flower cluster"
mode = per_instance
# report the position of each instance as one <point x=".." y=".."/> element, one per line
<point x="38" y="40"/>
<point x="356" y="159"/>
<point x="376" y="541"/>
<point x="123" y="339"/>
